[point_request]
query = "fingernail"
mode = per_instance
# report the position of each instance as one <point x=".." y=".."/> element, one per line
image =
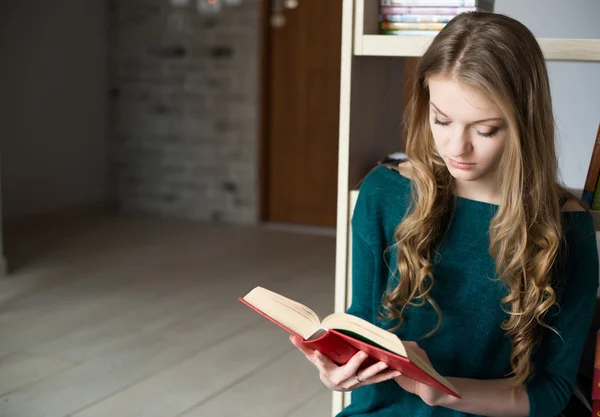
<point x="395" y="374"/>
<point x="363" y="355"/>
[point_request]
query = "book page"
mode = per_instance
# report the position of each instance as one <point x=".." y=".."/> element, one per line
<point x="292" y="314"/>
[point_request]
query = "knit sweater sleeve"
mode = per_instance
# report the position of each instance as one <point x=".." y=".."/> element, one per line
<point x="365" y="259"/>
<point x="557" y="360"/>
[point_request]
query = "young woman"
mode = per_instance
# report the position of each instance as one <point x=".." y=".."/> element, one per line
<point x="472" y="249"/>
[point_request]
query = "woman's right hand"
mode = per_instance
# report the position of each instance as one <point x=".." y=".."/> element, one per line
<point x="344" y="378"/>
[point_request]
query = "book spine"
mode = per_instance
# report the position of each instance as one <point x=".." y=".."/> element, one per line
<point x="439" y="3"/>
<point x="596" y="375"/>
<point x="592" y="175"/>
<point x="409" y="32"/>
<point x="426" y="10"/>
<point x="411" y="26"/>
<point x="596" y="197"/>
<point x="423" y="18"/>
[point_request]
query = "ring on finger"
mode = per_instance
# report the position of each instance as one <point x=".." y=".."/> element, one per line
<point x="358" y="379"/>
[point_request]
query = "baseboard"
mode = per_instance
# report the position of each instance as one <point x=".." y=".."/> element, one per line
<point x="2" y="266"/>
<point x="63" y="214"/>
<point x="309" y="230"/>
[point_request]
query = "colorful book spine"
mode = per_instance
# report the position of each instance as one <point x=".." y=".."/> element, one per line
<point x="409" y="32"/>
<point x="426" y="10"/>
<point x="422" y="18"/>
<point x="596" y="198"/>
<point x="596" y="379"/>
<point x="411" y="26"/>
<point x="437" y="3"/>
<point x="589" y="189"/>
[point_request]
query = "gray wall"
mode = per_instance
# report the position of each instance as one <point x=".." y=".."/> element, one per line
<point x="53" y="104"/>
<point x="185" y="103"/>
<point x="575" y="85"/>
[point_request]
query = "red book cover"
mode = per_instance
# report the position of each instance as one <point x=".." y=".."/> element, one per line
<point x="340" y="347"/>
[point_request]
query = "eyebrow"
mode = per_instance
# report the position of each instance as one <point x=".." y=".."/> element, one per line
<point x="475" y="122"/>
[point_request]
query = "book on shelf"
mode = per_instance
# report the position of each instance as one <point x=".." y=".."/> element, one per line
<point x="591" y="180"/>
<point x="412" y="26"/>
<point x="596" y="198"/>
<point x="393" y="10"/>
<point x="596" y="379"/>
<point x="412" y="16"/>
<point x="340" y="336"/>
<point x="438" y="3"/>
<point x="405" y="32"/>
<point x="417" y="18"/>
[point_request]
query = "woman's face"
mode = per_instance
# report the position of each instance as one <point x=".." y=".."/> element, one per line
<point x="469" y="130"/>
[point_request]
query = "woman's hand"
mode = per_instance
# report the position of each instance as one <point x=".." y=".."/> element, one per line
<point x="344" y="378"/>
<point x="430" y="396"/>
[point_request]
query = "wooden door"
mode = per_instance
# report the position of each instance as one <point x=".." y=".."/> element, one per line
<point x="302" y="115"/>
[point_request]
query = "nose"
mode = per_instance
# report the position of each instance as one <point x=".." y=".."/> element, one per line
<point x="459" y="142"/>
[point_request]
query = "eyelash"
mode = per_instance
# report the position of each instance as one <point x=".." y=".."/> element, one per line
<point x="485" y="135"/>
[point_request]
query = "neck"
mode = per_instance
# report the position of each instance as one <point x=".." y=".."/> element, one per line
<point x="483" y="190"/>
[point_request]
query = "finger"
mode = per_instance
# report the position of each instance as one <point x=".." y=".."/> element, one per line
<point x="297" y="341"/>
<point x="347" y="373"/>
<point x="308" y="352"/>
<point x="329" y="384"/>
<point x="371" y="371"/>
<point x="325" y="365"/>
<point x="364" y="375"/>
<point x="334" y="376"/>
<point x="355" y="362"/>
<point x="382" y="376"/>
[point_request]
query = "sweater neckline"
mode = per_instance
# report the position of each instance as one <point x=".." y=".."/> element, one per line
<point x="464" y="201"/>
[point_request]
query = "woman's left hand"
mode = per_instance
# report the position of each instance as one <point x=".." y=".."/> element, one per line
<point x="429" y="395"/>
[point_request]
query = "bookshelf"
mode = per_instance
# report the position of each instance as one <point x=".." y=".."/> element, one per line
<point x="371" y="107"/>
<point x="367" y="41"/>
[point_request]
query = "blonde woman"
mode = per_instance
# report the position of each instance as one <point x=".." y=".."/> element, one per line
<point x="472" y="249"/>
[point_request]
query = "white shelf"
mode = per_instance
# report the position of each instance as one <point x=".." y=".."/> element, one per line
<point x="392" y="45"/>
<point x="570" y="49"/>
<point x="397" y="45"/>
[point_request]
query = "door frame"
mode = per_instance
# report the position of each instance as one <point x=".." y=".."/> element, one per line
<point x="264" y="106"/>
<point x="3" y="267"/>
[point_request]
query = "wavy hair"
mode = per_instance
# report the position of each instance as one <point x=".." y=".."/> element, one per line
<point x="500" y="58"/>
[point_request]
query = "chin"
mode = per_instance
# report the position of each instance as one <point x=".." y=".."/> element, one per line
<point x="464" y="175"/>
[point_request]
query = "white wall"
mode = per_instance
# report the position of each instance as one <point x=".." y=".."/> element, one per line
<point x="575" y="85"/>
<point x="53" y="104"/>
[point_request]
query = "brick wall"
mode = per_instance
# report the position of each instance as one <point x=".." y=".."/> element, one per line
<point x="184" y="107"/>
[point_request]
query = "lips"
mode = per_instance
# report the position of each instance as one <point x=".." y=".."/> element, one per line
<point x="460" y="165"/>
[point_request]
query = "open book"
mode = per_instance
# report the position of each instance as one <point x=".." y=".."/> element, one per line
<point x="340" y="336"/>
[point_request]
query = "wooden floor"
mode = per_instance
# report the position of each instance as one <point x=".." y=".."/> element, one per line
<point x="124" y="317"/>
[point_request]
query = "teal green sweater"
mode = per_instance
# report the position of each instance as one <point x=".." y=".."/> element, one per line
<point x="470" y="342"/>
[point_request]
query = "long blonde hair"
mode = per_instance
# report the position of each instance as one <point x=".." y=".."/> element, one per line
<point x="499" y="57"/>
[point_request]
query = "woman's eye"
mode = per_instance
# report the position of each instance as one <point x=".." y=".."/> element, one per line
<point x="488" y="134"/>
<point x="439" y="122"/>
